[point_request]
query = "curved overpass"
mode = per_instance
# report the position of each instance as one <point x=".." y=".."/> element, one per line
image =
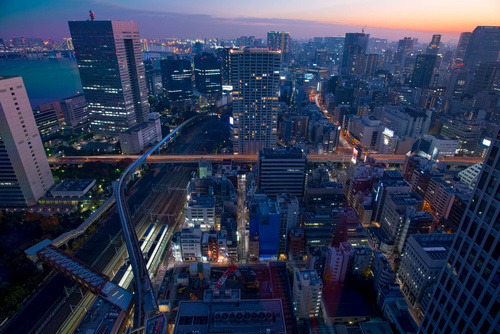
<point x="145" y="301"/>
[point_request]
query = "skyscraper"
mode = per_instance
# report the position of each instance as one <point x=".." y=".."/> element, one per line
<point x="24" y="171"/>
<point x="255" y="79"/>
<point x="109" y="59"/>
<point x="207" y="73"/>
<point x="433" y="47"/>
<point x="484" y="46"/>
<point x="279" y="41"/>
<point x="177" y="76"/>
<point x="405" y="46"/>
<point x="466" y="298"/>
<point x="355" y="46"/>
<point x="422" y="73"/>
<point x="224" y="53"/>
<point x="282" y="171"/>
<point x="463" y="42"/>
<point x="484" y="78"/>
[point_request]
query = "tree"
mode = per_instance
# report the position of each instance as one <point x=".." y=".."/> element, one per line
<point x="48" y="223"/>
<point x="124" y="163"/>
<point x="31" y="216"/>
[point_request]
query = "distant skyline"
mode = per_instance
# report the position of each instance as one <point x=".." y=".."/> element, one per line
<point x="389" y="19"/>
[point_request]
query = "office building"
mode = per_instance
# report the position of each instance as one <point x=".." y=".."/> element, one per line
<point x="405" y="121"/>
<point x="423" y="259"/>
<point x="110" y="63"/>
<point x="264" y="227"/>
<point x="25" y="174"/>
<point x="483" y="47"/>
<point x="470" y="174"/>
<point x="75" y="110"/>
<point x="405" y="47"/>
<point x="463" y="42"/>
<point x="279" y="41"/>
<point x="485" y="77"/>
<point x="324" y="194"/>
<point x="225" y="311"/>
<point x="338" y="263"/>
<point x="200" y="210"/>
<point x="442" y="146"/>
<point x="207" y="73"/>
<point x="383" y="275"/>
<point x="433" y="48"/>
<point x="377" y="45"/>
<point x="366" y="130"/>
<point x="467" y="133"/>
<point x="395" y="220"/>
<point x="355" y="46"/>
<point x="388" y="142"/>
<point x="459" y="83"/>
<point x="255" y="79"/>
<point x="296" y="244"/>
<point x="307" y="291"/>
<point x="282" y="170"/>
<point x="391" y="182"/>
<point x="153" y="78"/>
<point x="55" y="105"/>
<point x="186" y="244"/>
<point x="289" y="209"/>
<point x="139" y="136"/>
<point x="177" y="78"/>
<point x="423" y="70"/>
<point x="46" y="122"/>
<point x="466" y="296"/>
<point x="223" y="54"/>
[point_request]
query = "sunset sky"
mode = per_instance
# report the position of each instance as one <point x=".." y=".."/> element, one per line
<point x="390" y="19"/>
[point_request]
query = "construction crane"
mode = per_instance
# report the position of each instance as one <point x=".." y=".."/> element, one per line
<point x="363" y="29"/>
<point x="217" y="285"/>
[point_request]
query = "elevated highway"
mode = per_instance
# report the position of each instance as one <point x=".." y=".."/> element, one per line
<point x="184" y="158"/>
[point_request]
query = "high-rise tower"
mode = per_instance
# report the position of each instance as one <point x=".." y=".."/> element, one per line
<point x="112" y="72"/>
<point x="433" y="47"/>
<point x="279" y="41"/>
<point x="24" y="171"/>
<point x="255" y="79"/>
<point x="422" y="73"/>
<point x="463" y="42"/>
<point x="466" y="298"/>
<point x="355" y="46"/>
<point x="207" y="73"/>
<point x="177" y="76"/>
<point x="484" y="46"/>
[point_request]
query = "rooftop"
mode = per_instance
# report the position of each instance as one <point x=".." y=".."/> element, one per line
<point x="237" y="316"/>
<point x="73" y="185"/>
<point x="376" y="328"/>
<point x="435" y="245"/>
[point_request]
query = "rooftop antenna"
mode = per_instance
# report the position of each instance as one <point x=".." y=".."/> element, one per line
<point x="91" y="14"/>
<point x="362" y="29"/>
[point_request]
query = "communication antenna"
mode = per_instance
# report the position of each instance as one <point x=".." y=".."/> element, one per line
<point x="91" y="14"/>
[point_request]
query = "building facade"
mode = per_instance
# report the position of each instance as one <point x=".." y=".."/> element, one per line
<point x="424" y="258"/>
<point x="110" y="63"/>
<point x="466" y="298"/>
<point x="25" y="174"/>
<point x="282" y="171"/>
<point x="307" y="291"/>
<point x="255" y="79"/>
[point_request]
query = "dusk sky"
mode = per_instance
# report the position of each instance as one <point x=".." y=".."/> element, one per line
<point x="392" y="19"/>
